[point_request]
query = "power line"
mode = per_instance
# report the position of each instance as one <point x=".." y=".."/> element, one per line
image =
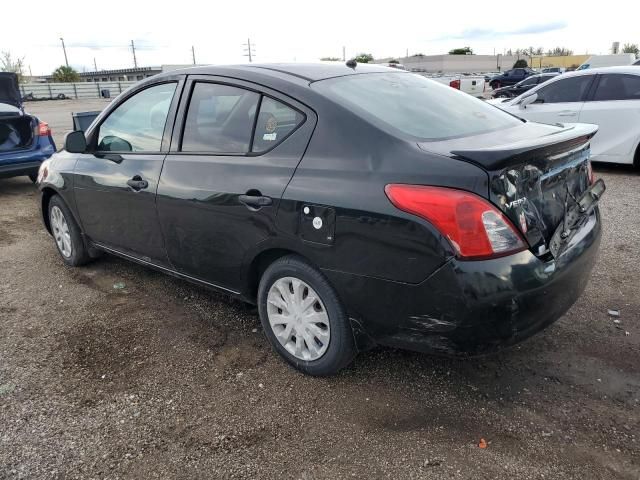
<point x="135" y="60"/>
<point x="66" y="61"/>
<point x="250" y="53"/>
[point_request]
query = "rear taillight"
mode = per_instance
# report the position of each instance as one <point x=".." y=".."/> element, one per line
<point x="474" y="227"/>
<point x="590" y="175"/>
<point x="455" y="84"/>
<point x="43" y="129"/>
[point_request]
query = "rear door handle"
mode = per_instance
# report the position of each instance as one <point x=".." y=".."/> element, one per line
<point x="255" y="201"/>
<point x="137" y="183"/>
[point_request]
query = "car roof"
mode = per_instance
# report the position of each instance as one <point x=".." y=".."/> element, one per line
<point x="592" y="71"/>
<point x="307" y="71"/>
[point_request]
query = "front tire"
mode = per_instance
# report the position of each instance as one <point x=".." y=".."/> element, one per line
<point x="303" y="317"/>
<point x="66" y="233"/>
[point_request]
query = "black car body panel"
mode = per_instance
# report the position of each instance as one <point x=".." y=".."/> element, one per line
<point x="470" y="308"/>
<point x="400" y="279"/>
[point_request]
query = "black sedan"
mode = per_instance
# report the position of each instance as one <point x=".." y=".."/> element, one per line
<point x="521" y="87"/>
<point x="355" y="205"/>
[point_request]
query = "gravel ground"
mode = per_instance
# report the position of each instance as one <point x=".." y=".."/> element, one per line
<point x="162" y="379"/>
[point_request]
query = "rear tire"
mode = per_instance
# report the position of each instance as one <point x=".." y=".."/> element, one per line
<point x="66" y="234"/>
<point x="303" y="317"/>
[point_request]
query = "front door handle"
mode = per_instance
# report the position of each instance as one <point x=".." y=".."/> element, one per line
<point x="137" y="183"/>
<point x="567" y="113"/>
<point x="255" y="202"/>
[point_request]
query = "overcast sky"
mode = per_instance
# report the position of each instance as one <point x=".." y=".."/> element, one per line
<point x="299" y="30"/>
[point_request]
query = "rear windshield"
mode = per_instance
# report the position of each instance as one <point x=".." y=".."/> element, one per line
<point x="413" y="105"/>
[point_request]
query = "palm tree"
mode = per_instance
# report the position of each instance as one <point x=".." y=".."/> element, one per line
<point x="65" y="74"/>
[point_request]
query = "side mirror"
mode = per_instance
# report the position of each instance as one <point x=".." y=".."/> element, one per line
<point x="528" y="100"/>
<point x="75" y="142"/>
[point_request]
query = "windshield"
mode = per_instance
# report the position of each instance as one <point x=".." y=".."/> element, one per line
<point x="412" y="105"/>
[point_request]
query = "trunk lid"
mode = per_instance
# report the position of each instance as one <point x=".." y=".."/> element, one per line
<point x="9" y="89"/>
<point x="537" y="172"/>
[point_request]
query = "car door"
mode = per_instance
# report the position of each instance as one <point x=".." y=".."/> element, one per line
<point x="615" y="108"/>
<point x="559" y="101"/>
<point x="115" y="182"/>
<point x="235" y="150"/>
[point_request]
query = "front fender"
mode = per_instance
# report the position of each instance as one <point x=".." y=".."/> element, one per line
<point x="56" y="178"/>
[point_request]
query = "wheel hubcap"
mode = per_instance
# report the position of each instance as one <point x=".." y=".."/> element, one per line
<point x="61" y="231"/>
<point x="298" y="318"/>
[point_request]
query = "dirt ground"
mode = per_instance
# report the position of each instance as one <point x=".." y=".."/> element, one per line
<point x="162" y="379"/>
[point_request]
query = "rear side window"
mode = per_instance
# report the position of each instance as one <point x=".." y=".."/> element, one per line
<point x="137" y="124"/>
<point x="275" y="121"/>
<point x="566" y="90"/>
<point x="618" y="87"/>
<point x="409" y="104"/>
<point x="219" y="119"/>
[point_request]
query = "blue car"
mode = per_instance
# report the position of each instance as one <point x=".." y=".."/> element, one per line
<point x="25" y="141"/>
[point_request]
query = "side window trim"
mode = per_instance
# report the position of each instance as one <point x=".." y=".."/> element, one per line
<point x="592" y="89"/>
<point x="93" y="134"/>
<point x="255" y="124"/>
<point x="183" y="107"/>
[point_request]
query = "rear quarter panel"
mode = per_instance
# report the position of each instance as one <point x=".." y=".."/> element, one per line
<point x="347" y="166"/>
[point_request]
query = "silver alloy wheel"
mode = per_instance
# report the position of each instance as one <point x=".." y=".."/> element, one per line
<point x="298" y="318"/>
<point x="61" y="231"/>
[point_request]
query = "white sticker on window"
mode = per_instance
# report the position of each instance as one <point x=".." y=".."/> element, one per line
<point x="269" y="136"/>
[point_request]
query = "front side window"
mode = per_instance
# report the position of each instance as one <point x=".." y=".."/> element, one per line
<point x="618" y="87"/>
<point x="565" y="90"/>
<point x="137" y="125"/>
<point x="410" y="104"/>
<point x="219" y="119"/>
<point x="275" y="121"/>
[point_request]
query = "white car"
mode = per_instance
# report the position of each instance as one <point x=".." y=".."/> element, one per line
<point x="608" y="97"/>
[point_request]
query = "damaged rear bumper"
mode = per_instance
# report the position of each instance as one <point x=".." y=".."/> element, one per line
<point x="473" y="307"/>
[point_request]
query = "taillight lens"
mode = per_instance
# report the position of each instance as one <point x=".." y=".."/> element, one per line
<point x="455" y="84"/>
<point x="475" y="228"/>
<point x="43" y="129"/>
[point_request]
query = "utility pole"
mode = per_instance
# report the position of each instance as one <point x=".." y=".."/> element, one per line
<point x="248" y="50"/>
<point x="193" y="54"/>
<point x="66" y="61"/>
<point x="344" y="54"/>
<point x="135" y="60"/>
<point x="95" y="65"/>
<point x="407" y="55"/>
